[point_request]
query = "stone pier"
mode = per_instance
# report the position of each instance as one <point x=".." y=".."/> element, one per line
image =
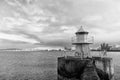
<point x="73" y="68"/>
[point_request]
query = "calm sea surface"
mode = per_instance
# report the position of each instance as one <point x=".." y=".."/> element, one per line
<point x="38" y="65"/>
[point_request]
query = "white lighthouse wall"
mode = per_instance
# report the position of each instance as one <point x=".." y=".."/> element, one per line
<point x="83" y="50"/>
<point x="81" y="38"/>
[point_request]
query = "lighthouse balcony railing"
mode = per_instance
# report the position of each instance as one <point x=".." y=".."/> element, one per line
<point x="86" y="40"/>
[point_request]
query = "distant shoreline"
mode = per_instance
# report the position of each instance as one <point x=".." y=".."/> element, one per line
<point x="108" y="50"/>
<point x="54" y="50"/>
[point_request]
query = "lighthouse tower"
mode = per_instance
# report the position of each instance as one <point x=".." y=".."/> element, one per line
<point x="82" y="42"/>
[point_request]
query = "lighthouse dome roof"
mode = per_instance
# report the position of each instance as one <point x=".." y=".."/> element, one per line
<point x="81" y="31"/>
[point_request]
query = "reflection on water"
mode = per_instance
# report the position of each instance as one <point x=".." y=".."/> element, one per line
<point x="36" y="65"/>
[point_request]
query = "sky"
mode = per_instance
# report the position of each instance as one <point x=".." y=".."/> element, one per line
<point x="52" y="23"/>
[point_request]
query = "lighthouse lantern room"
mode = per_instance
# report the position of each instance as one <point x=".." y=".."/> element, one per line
<point x="82" y="42"/>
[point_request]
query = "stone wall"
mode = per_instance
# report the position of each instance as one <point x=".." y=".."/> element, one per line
<point x="73" y="68"/>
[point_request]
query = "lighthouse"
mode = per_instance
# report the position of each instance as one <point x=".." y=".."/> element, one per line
<point x="82" y="42"/>
<point x="79" y="67"/>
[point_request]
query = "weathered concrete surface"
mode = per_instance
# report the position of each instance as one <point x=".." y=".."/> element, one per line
<point x="73" y="68"/>
<point x="70" y="67"/>
<point x="89" y="72"/>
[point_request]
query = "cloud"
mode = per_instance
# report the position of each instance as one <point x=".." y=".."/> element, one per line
<point x="16" y="38"/>
<point x="69" y="29"/>
<point x="31" y="36"/>
<point x="15" y="26"/>
<point x="51" y="21"/>
<point x="92" y="18"/>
